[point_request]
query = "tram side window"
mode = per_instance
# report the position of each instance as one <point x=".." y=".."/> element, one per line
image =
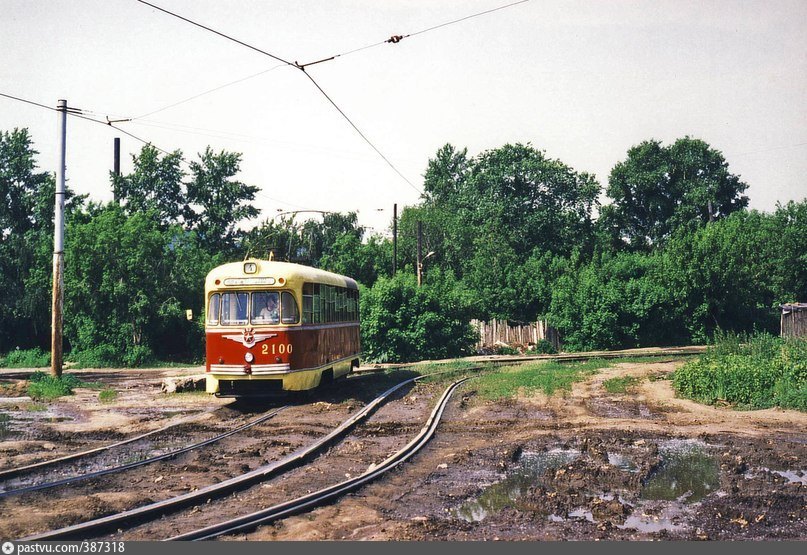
<point x="308" y="303"/>
<point x="214" y="306"/>
<point x="234" y="309"/>
<point x="289" y="312"/>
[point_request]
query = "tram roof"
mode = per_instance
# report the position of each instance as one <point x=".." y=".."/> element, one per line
<point x="290" y="272"/>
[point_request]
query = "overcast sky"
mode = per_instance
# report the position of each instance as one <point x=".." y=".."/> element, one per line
<point x="582" y="80"/>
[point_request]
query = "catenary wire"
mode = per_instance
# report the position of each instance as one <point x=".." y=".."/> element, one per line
<point x="395" y="39"/>
<point x="344" y="115"/>
<point x="194" y="97"/>
<point x="73" y="113"/>
<point x="206" y="28"/>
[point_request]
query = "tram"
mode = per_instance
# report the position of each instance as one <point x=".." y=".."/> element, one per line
<point x="277" y="326"/>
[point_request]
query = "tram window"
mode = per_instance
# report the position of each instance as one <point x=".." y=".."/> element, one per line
<point x="214" y="306"/>
<point x="308" y="303"/>
<point x="289" y="308"/>
<point x="265" y="308"/>
<point x="234" y="309"/>
<point x="317" y="306"/>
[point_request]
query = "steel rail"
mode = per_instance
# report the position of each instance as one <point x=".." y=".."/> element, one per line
<point x="12" y="472"/>
<point x="144" y="462"/>
<point x="309" y="501"/>
<point x="159" y="508"/>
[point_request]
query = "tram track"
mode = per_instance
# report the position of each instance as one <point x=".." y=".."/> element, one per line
<point x="148" y="512"/>
<point x="307" y="502"/>
<point x="136" y="464"/>
<point x="9" y="473"/>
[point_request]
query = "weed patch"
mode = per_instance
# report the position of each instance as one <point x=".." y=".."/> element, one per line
<point x="29" y="358"/>
<point x="107" y="395"/>
<point x="620" y="385"/>
<point x="749" y="372"/>
<point x="547" y="377"/>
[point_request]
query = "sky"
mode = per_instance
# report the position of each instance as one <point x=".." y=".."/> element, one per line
<point x="582" y="80"/>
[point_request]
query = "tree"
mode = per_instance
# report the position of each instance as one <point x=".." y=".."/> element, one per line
<point x="217" y="203"/>
<point x="658" y="189"/>
<point x="26" y="242"/>
<point x="155" y="184"/>
<point x="402" y="322"/>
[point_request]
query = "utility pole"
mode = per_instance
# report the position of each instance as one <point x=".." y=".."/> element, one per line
<point x="58" y="248"/>
<point x="420" y="253"/>
<point x="394" y="238"/>
<point x="116" y="166"/>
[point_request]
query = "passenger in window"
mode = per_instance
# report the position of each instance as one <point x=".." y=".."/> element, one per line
<point x="269" y="313"/>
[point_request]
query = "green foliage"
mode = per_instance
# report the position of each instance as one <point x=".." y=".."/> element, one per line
<point x="44" y="387"/>
<point x="756" y="371"/>
<point x="547" y="377"/>
<point x="659" y="189"/>
<point x="107" y="395"/>
<point x="612" y="302"/>
<point x="28" y="358"/>
<point x="154" y="185"/>
<point x="216" y="203"/>
<point x="543" y="347"/>
<point x="403" y="322"/>
<point x="620" y="385"/>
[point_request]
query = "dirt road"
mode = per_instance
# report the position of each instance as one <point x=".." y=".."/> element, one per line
<point x="580" y="465"/>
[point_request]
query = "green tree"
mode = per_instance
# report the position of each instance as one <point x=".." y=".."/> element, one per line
<point x="155" y="184"/>
<point x="659" y="189"/>
<point x="217" y="203"/>
<point x="403" y="322"/>
<point x="26" y="242"/>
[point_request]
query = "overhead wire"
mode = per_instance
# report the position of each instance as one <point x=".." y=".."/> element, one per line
<point x="79" y="113"/>
<point x="256" y="49"/>
<point x="194" y="97"/>
<point x="395" y="39"/>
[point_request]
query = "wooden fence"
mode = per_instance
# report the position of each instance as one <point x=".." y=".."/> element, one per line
<point x="504" y="332"/>
<point x="794" y="320"/>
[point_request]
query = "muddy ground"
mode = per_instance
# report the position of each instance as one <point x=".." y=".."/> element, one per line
<point x="579" y="465"/>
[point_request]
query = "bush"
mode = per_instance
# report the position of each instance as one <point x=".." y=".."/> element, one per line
<point x="30" y="358"/>
<point x="757" y="371"/>
<point x="107" y="395"/>
<point x="543" y="347"/>
<point x="42" y="386"/>
<point x="99" y="356"/>
<point x="402" y="322"/>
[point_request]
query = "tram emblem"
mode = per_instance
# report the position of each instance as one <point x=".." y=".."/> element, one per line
<point x="249" y="338"/>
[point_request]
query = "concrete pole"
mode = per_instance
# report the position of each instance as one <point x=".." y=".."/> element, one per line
<point x="394" y="238"/>
<point x="58" y="249"/>
<point x="420" y="253"/>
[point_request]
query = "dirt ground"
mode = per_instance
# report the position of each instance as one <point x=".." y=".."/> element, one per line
<point x="581" y="465"/>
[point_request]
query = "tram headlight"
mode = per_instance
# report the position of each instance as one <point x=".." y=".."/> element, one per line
<point x="249" y="357"/>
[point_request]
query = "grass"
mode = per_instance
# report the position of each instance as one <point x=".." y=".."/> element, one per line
<point x="4" y="420"/>
<point x="44" y="387"/>
<point x="748" y="372"/>
<point x="107" y="395"/>
<point x="36" y="407"/>
<point x="547" y="377"/>
<point x="29" y="358"/>
<point x="620" y="385"/>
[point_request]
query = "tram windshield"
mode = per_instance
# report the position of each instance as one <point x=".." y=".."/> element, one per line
<point x="258" y="307"/>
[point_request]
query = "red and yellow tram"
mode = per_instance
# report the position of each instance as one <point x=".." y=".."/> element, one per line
<point x="274" y="326"/>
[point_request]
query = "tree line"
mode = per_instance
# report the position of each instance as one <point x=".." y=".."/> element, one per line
<point x="671" y="254"/>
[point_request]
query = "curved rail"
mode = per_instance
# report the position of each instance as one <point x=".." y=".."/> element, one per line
<point x="144" y="462"/>
<point x="306" y="502"/>
<point x="203" y="494"/>
<point x="12" y="472"/>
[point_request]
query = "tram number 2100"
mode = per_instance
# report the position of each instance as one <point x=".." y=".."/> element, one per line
<point x="280" y="349"/>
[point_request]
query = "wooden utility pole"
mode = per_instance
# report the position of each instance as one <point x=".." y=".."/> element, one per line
<point x="115" y="166"/>
<point x="420" y="253"/>
<point x="58" y="249"/>
<point x="394" y="238"/>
